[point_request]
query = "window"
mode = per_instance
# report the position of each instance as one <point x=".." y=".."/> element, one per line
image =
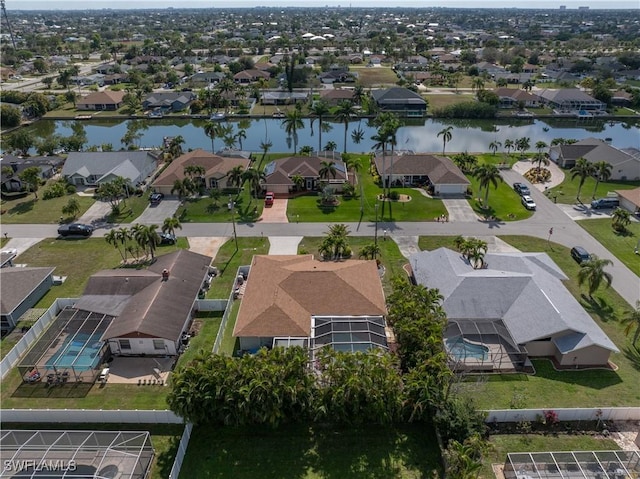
<point x="158" y="344"/>
<point x="124" y="344"/>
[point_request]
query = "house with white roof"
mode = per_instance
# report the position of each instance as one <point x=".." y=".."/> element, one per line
<point x="94" y="168"/>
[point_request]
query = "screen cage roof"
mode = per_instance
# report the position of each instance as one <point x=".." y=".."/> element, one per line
<point x="348" y="333"/>
<point x="70" y="454"/>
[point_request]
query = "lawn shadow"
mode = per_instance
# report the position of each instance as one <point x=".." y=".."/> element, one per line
<point x="224" y="268"/>
<point x="40" y="390"/>
<point x="599" y="307"/>
<point x="586" y="378"/>
<point x="632" y="353"/>
<point x="165" y="460"/>
<point x="22" y="208"/>
<point x="324" y="208"/>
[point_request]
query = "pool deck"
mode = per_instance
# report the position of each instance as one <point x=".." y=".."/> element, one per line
<point x="136" y="370"/>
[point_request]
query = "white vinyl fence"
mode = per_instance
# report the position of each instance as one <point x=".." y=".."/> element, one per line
<point x="141" y="416"/>
<point x="13" y="357"/>
<point x="566" y="414"/>
<point x="211" y="304"/>
<point x="182" y="450"/>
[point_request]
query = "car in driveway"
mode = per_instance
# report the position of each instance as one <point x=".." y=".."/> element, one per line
<point x="580" y="254"/>
<point x="605" y="203"/>
<point x="75" y="229"/>
<point x="167" y="238"/>
<point x="528" y="202"/>
<point x="521" y="189"/>
<point x="156" y="198"/>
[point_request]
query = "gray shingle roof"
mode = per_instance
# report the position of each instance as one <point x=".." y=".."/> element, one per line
<point x="17" y="283"/>
<point x="100" y="163"/>
<point x="522" y="289"/>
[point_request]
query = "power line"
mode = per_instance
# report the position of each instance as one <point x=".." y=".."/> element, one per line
<point x="6" y="19"/>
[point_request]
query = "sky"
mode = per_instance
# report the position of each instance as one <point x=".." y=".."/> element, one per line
<point x="129" y="4"/>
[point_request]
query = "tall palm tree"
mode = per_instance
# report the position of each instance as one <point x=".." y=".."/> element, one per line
<point x="292" y="122"/>
<point x="112" y="238"/>
<point x="602" y="172"/>
<point x="327" y="168"/>
<point x="265" y="146"/>
<point x="319" y="110"/>
<point x="175" y="146"/>
<point x="540" y="159"/>
<point x="582" y="169"/>
<point x="632" y="320"/>
<point x="234" y="176"/>
<point x="212" y="130"/>
<point x="240" y="136"/>
<point x="446" y="135"/>
<point x="494" y="145"/>
<point x="508" y="145"/>
<point x="592" y="272"/>
<point x="123" y="235"/>
<point x="263" y="83"/>
<point x="179" y="189"/>
<point x="146" y="237"/>
<point x="541" y="145"/>
<point x="170" y="225"/>
<point x="477" y="84"/>
<point x="523" y="144"/>
<point x="487" y="174"/>
<point x="357" y="135"/>
<point x="344" y="113"/>
<point x="255" y="178"/>
<point x="380" y="139"/>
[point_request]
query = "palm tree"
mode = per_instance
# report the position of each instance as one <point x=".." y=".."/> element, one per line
<point x="369" y="251"/>
<point x="541" y="145"/>
<point x="123" y="235"/>
<point x="112" y="238"/>
<point x="357" y="135"/>
<point x="508" y="145"/>
<point x="146" y="237"/>
<point x="306" y="150"/>
<point x="234" y="176"/>
<point x="602" y="172"/>
<point x="522" y="144"/>
<point x="319" y="109"/>
<point x="327" y="168"/>
<point x="335" y="244"/>
<point x="632" y="320"/>
<point x="179" y="188"/>
<point x="263" y="83"/>
<point x="298" y="181"/>
<point x="592" y="272"/>
<point x="170" y="224"/>
<point x="292" y="122"/>
<point x="344" y="113"/>
<point x="620" y="219"/>
<point x="255" y="178"/>
<point x="446" y="136"/>
<point x="584" y="170"/>
<point x="265" y="146"/>
<point x="240" y="136"/>
<point x="330" y="146"/>
<point x="72" y="208"/>
<point x="487" y="174"/>
<point x="212" y="129"/>
<point x="540" y="159"/>
<point x="494" y="145"/>
<point x="175" y="146"/>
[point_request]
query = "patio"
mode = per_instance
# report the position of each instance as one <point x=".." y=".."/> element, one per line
<point x="137" y="370"/>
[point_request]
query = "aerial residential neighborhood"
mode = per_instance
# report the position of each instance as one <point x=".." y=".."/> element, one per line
<point x="320" y="241"/>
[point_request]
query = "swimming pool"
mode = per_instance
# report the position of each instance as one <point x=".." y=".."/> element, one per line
<point x="462" y="349"/>
<point x="80" y="351"/>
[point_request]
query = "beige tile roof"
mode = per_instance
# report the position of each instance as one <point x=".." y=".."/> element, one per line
<point x="214" y="165"/>
<point x="631" y="195"/>
<point x="283" y="292"/>
<point x="106" y="97"/>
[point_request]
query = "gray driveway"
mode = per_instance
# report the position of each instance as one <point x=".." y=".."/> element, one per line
<point x="284" y="244"/>
<point x="156" y="214"/>
<point x="459" y="210"/>
<point x="96" y="213"/>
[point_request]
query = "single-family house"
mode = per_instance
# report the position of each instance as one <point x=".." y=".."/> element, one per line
<point x="207" y="78"/>
<point x="334" y="96"/>
<point x="630" y="200"/>
<point x="400" y="100"/>
<point x="514" y="308"/>
<point x="250" y="76"/>
<point x="151" y="308"/>
<point x="298" y="300"/>
<point x="216" y="168"/>
<point x="20" y="290"/>
<point x="94" y="168"/>
<point x="284" y="97"/>
<point x="514" y="97"/>
<point x="169" y="101"/>
<point x="408" y="168"/>
<point x="625" y="162"/>
<point x="280" y="174"/>
<point x="102" y="101"/>
<point x="570" y="99"/>
<point x="10" y="180"/>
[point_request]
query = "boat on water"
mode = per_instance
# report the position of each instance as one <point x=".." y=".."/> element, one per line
<point x="217" y="116"/>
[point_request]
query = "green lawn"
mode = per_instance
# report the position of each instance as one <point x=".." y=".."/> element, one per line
<point x="230" y="344"/>
<point x="165" y="439"/>
<point x="551" y="388"/>
<point x="207" y="210"/>
<point x="376" y="76"/>
<point x="504" y="443"/>
<point x="132" y="208"/>
<point x="441" y="101"/>
<point x="390" y="255"/>
<point x="312" y="452"/>
<point x="27" y="210"/>
<point x="207" y="323"/>
<point x="229" y="259"/>
<point x="567" y="191"/>
<point x="621" y="245"/>
<point x="504" y="202"/>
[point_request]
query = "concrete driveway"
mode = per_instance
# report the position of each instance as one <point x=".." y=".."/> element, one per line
<point x="276" y="213"/>
<point x="96" y="213"/>
<point x="156" y="214"/>
<point x="460" y="210"/>
<point x="280" y="245"/>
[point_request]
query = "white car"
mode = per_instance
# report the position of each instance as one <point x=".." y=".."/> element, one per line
<point x="528" y="202"/>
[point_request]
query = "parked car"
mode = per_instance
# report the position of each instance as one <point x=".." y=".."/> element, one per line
<point x="528" y="202"/>
<point x="268" y="198"/>
<point x="75" y="229"/>
<point x="521" y="189"/>
<point x="156" y="198"/>
<point x="166" y="238"/>
<point x="580" y="254"/>
<point x="605" y="203"/>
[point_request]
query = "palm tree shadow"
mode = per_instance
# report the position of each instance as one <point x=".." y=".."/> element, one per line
<point x="632" y="353"/>
<point x="599" y="307"/>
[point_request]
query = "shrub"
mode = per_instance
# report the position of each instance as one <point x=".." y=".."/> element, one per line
<point x="535" y="175"/>
<point x="57" y="189"/>
<point x="394" y="195"/>
<point x="468" y="109"/>
<point x="348" y="190"/>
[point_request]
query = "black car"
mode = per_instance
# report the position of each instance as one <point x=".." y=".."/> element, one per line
<point x="75" y="229"/>
<point x="156" y="198"/>
<point x="166" y="238"/>
<point x="580" y="254"/>
<point x="521" y="189"/>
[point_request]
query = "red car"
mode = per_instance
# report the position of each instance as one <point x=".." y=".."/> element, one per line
<point x="268" y="198"/>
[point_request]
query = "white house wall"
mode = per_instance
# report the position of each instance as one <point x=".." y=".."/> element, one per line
<point x="142" y="346"/>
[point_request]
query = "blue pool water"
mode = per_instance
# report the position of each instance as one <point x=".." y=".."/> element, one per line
<point x="461" y="349"/>
<point x="79" y="351"/>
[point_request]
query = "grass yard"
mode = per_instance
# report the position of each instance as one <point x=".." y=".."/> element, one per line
<point x="390" y="255"/>
<point x="621" y="245"/>
<point x="443" y="100"/>
<point x="311" y="452"/>
<point x="505" y="443"/>
<point x="568" y="189"/>
<point x="207" y="210"/>
<point x="551" y="388"/>
<point x="374" y="76"/>
<point x="132" y="208"/>
<point x="229" y="259"/>
<point x="165" y="439"/>
<point x="207" y="323"/>
<point x="504" y="202"/>
<point x="500" y="158"/>
<point x="28" y="210"/>
<point x="229" y="344"/>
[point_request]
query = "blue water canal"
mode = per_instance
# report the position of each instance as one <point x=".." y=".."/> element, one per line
<point x="416" y="135"/>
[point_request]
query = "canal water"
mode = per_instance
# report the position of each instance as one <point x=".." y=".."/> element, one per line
<point x="417" y="135"/>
